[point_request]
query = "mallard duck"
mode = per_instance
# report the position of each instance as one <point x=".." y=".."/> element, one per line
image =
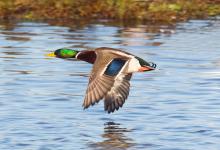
<point x="110" y="75"/>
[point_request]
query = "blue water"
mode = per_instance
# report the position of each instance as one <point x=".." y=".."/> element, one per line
<point x="176" y="107"/>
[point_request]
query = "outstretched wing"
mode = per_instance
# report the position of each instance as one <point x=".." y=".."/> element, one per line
<point x="99" y="83"/>
<point x="119" y="92"/>
<point x="97" y="89"/>
<point x="105" y="75"/>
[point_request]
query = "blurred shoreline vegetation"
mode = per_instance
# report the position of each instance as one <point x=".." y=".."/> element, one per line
<point x="168" y="11"/>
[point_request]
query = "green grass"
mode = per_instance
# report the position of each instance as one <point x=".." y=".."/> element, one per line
<point x="143" y="10"/>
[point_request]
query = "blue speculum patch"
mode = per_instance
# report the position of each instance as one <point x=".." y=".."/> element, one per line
<point x="114" y="67"/>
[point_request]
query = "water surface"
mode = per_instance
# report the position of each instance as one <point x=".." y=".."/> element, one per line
<point x="176" y="107"/>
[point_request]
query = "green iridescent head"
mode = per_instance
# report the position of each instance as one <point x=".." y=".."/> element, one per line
<point x="64" y="53"/>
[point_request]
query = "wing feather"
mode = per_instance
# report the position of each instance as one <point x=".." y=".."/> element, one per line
<point x="114" y="89"/>
<point x="99" y="85"/>
<point x="117" y="95"/>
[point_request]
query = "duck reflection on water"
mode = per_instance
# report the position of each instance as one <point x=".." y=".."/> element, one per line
<point x="114" y="138"/>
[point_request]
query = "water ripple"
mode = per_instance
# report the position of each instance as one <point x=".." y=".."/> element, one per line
<point x="175" y="107"/>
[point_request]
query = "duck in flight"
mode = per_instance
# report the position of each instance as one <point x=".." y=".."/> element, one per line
<point x="110" y="75"/>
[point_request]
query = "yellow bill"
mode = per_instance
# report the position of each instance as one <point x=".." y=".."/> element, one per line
<point x="51" y="55"/>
